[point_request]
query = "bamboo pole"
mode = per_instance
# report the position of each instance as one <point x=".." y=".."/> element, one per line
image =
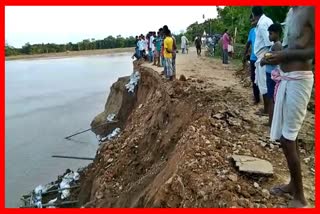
<point x="72" y="157"/>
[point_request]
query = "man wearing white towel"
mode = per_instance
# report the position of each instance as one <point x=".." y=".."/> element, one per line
<point x="261" y="47"/>
<point x="292" y="94"/>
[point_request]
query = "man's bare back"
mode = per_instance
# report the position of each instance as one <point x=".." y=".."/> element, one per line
<point x="300" y="36"/>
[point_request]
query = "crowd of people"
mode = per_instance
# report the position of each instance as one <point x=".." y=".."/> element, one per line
<point x="282" y="74"/>
<point x="160" y="49"/>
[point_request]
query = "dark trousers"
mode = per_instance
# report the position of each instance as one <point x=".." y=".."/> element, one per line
<point x="198" y="50"/>
<point x="255" y="88"/>
<point x="225" y="56"/>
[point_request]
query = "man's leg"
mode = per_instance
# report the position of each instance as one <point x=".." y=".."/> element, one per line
<point x="169" y="68"/>
<point x="155" y="58"/>
<point x="294" y="112"/>
<point x="295" y="187"/>
<point x="174" y="65"/>
<point x="255" y="88"/>
<point x="224" y="60"/>
<point x="270" y="86"/>
<point x="227" y="55"/>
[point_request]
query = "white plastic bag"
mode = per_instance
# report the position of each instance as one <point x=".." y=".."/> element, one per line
<point x="230" y="49"/>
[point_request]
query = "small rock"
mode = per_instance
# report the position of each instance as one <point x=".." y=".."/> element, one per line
<point x="263" y="144"/>
<point x="306" y="160"/>
<point x="208" y="142"/>
<point x="182" y="78"/>
<point x="265" y="193"/>
<point x="271" y="146"/>
<point x="256" y="185"/>
<point x="233" y="178"/>
<point x="203" y="154"/>
<point x="109" y="160"/>
<point x="197" y="154"/>
<point x="140" y="106"/>
<point x="99" y="195"/>
<point x="238" y="188"/>
<point x="253" y="165"/>
<point x="201" y="193"/>
<point x="218" y="116"/>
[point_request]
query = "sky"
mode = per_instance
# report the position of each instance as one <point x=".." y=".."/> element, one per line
<point x="62" y="24"/>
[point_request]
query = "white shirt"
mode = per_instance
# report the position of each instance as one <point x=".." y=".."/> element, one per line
<point x="141" y="45"/>
<point x="262" y="34"/>
<point x="184" y="41"/>
<point x="151" y="43"/>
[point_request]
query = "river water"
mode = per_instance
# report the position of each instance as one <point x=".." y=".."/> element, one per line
<point x="46" y="100"/>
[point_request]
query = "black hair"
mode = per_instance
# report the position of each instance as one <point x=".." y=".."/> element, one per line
<point x="276" y="27"/>
<point x="257" y="11"/>
<point x="251" y="16"/>
<point x="167" y="32"/>
<point x="165" y="28"/>
<point x="225" y="30"/>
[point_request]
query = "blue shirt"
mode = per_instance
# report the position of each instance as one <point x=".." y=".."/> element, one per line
<point x="251" y="39"/>
<point x="270" y="68"/>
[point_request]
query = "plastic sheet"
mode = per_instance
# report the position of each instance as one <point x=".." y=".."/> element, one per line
<point x="134" y="79"/>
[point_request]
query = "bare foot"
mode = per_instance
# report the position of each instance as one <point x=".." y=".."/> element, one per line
<point x="297" y="204"/>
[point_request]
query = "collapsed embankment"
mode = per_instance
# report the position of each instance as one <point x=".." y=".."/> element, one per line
<point x="174" y="148"/>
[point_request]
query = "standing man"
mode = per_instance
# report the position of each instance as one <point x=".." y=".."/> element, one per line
<point x="157" y="51"/>
<point x="168" y="49"/>
<point x="225" y="43"/>
<point x="293" y="94"/>
<point x="151" y="47"/>
<point x="261" y="47"/>
<point x="253" y="59"/>
<point x="198" y="43"/>
<point x="184" y="42"/>
<point x="174" y="55"/>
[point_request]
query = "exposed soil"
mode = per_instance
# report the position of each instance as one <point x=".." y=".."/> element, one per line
<point x="177" y="139"/>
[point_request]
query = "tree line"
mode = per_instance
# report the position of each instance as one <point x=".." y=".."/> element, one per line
<point x="87" y="44"/>
<point x="230" y="17"/>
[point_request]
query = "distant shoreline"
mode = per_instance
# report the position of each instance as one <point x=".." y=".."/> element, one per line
<point x="71" y="54"/>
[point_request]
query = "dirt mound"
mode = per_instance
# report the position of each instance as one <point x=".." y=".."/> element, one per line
<point x="175" y="150"/>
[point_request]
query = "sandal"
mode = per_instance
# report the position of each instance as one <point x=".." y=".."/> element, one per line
<point x="279" y="190"/>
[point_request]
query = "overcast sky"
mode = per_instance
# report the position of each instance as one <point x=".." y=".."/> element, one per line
<point x="74" y="23"/>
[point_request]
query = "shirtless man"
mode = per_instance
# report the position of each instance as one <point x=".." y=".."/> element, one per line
<point x="293" y="94"/>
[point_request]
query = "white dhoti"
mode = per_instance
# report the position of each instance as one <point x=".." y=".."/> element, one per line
<point x="260" y="77"/>
<point x="292" y="97"/>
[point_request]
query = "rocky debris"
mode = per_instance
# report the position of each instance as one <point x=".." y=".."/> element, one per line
<point x="265" y="193"/>
<point x="253" y="165"/>
<point x="175" y="151"/>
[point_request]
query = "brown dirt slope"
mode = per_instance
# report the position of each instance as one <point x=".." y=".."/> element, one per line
<point x="175" y="148"/>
